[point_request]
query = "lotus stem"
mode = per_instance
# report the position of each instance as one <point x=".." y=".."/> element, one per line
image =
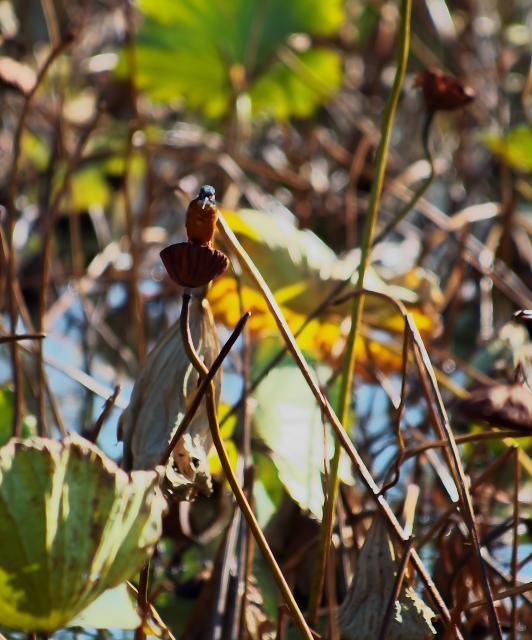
<point x="202" y="370"/>
<point x="401" y="215"/>
<point x="201" y="390"/>
<point x="358" y="305"/>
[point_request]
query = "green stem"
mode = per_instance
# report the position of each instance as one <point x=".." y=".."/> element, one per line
<point x="202" y="370"/>
<point x="358" y="304"/>
<point x="425" y="137"/>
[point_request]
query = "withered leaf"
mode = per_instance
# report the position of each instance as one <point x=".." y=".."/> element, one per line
<point x="503" y="405"/>
<point x="362" y="612"/>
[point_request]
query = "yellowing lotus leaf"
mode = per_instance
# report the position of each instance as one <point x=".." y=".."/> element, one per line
<point x="72" y="524"/>
<point x="301" y="270"/>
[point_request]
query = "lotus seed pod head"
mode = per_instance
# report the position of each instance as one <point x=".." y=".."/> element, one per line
<point x="441" y="91"/>
<point x="193" y="265"/>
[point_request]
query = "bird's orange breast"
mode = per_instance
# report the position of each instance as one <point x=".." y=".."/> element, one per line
<point x="201" y="222"/>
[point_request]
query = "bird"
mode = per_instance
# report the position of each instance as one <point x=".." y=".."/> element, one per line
<point x="202" y="214"/>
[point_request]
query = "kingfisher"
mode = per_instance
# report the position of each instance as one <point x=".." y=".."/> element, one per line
<point x="202" y="214"/>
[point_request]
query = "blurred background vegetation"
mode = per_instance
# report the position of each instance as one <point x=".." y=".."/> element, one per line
<point x="277" y="104"/>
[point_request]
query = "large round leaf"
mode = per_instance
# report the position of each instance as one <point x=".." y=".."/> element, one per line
<point x="72" y="524"/>
<point x="204" y="51"/>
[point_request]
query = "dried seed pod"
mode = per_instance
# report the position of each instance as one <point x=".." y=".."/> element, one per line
<point x="72" y="524"/>
<point x="193" y="265"/>
<point x="362" y="612"/>
<point x="503" y="405"/>
<point x="202" y="214"/>
<point x="441" y="91"/>
<point x="162" y="393"/>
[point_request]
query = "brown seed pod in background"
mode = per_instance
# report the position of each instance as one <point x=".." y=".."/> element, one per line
<point x="441" y="91"/>
<point x="193" y="265"/>
<point x="503" y="405"/>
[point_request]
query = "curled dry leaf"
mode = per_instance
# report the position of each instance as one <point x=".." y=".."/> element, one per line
<point x="72" y="524"/>
<point x="362" y="612"/>
<point x="162" y="393"/>
<point x="256" y="624"/>
<point x="503" y="405"/>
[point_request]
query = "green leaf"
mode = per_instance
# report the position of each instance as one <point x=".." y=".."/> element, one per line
<point x="203" y="51"/>
<point x="298" y="84"/>
<point x="72" y="524"/>
<point x="289" y="422"/>
<point x="29" y="423"/>
<point x="89" y="188"/>
<point x="115" y="608"/>
<point x="515" y="147"/>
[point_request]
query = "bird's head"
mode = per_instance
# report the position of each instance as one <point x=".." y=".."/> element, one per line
<point x="206" y="194"/>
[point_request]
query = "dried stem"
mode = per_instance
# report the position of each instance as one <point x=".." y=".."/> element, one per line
<point x="132" y="233"/>
<point x="361" y="469"/>
<point x="203" y="372"/>
<point x="11" y="208"/>
<point x="22" y="336"/>
<point x="463" y="439"/>
<point x="477" y="482"/>
<point x="515" y="541"/>
<point x="502" y="595"/>
<point x="203" y="387"/>
<point x="143" y="600"/>
<point x="399" y="414"/>
<point x="53" y="212"/>
<point x="439" y="417"/>
<point x="107" y="407"/>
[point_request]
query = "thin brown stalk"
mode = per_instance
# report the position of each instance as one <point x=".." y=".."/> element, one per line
<point x="515" y="541"/>
<point x="107" y="407"/>
<point x="51" y="218"/>
<point x="439" y="418"/>
<point x="132" y="232"/>
<point x="390" y="608"/>
<point x="11" y="209"/>
<point x="203" y="372"/>
<point x="396" y="469"/>
<point x="512" y="592"/>
<point x="506" y="578"/>
<point x="153" y="613"/>
<point x="143" y="600"/>
<point x="203" y="388"/>
<point x="355" y="169"/>
<point x="361" y="469"/>
<point x="463" y="439"/>
<point x="477" y="482"/>
<point x="245" y="556"/>
<point x="22" y="336"/>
